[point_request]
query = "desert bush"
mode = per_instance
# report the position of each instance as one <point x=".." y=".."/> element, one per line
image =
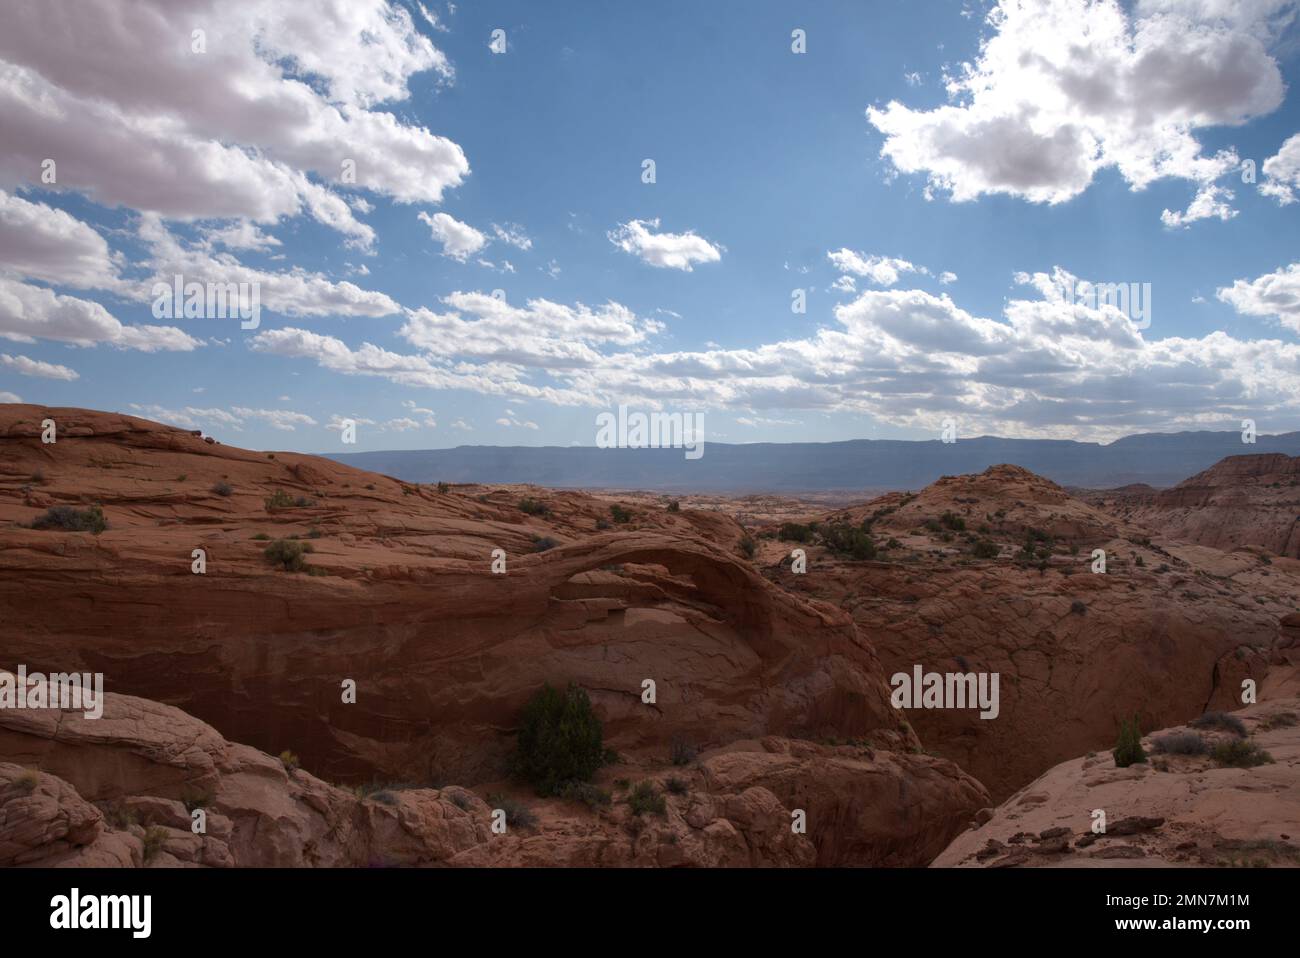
<point x="676" y="786"/>
<point x="223" y="488"/>
<point x="585" y="792"/>
<point x="288" y="553"/>
<point x="282" y="500"/>
<point x="985" y="549"/>
<point x="38" y="477"/>
<point x="154" y="838"/>
<point x="444" y="488"/>
<point x="681" y="752"/>
<point x="560" y="740"/>
<point x="71" y="519"/>
<point x="1185" y="742"/>
<point x="1220" y="720"/>
<point x="1128" y="750"/>
<point x="533" y="507"/>
<point x="543" y="543"/>
<point x="26" y="781"/>
<point x="644" y="797"/>
<point x="517" y="813"/>
<point x="1077" y="607"/>
<point x="794" y="532"/>
<point x="619" y="514"/>
<point x="288" y="760"/>
<point x="1240" y="753"/>
<point x="602" y="524"/>
<point x="674" y="506"/>
<point x="953" y="521"/>
<point x="846" y="540"/>
<point x="194" y="798"/>
<point x="748" y="547"/>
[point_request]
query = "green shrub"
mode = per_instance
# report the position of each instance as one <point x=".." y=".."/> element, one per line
<point x="748" y="547"/>
<point x="560" y="740"/>
<point x="444" y="488"/>
<point x="674" y="506"/>
<point x="619" y="514"/>
<point x="676" y="786"/>
<point x="644" y="797"/>
<point x="846" y="540"/>
<point x="985" y="549"/>
<point x="288" y="553"/>
<point x="543" y="543"/>
<point x="1240" y="753"/>
<point x="602" y="524"/>
<point x="794" y="532"/>
<point x="533" y="508"/>
<point x="223" y="488"/>
<point x="70" y="519"/>
<point x="1128" y="750"/>
<point x="953" y="521"/>
<point x="288" y="760"/>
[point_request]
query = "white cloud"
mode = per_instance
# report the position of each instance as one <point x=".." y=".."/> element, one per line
<point x="28" y="313"/>
<point x="513" y="234"/>
<point x="881" y="270"/>
<point x="250" y="128"/>
<point x="666" y="250"/>
<point x="458" y="239"/>
<point x="26" y="366"/>
<point x="1064" y="88"/>
<point x="947" y="277"/>
<point x="1275" y="294"/>
<point x="1210" y="202"/>
<point x="9" y="397"/>
<point x="1282" y="172"/>
<point x="40" y="242"/>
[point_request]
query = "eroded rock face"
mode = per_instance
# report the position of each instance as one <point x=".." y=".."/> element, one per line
<point x="1242" y="501"/>
<point x="1175" y="809"/>
<point x="444" y="652"/>
<point x="1163" y="634"/>
<point x="402" y="600"/>
<point x="121" y="791"/>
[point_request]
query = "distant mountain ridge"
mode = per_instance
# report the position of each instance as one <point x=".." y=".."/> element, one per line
<point x="1157" y="459"/>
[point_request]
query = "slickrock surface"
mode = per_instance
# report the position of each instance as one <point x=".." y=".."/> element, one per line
<point x="399" y="596"/>
<point x="1172" y="810"/>
<point x="1076" y="651"/>
<point x="120" y="790"/>
<point x="1242" y="501"/>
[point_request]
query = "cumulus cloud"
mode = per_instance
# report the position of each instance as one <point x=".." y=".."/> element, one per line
<point x="297" y="292"/>
<point x="280" y="101"/>
<point x="881" y="270"/>
<point x="43" y="243"/>
<point x="1282" y="172"/>
<point x="1275" y="294"/>
<point x="26" y="366"/>
<point x="1062" y="89"/>
<point x="666" y="250"/>
<point x="459" y="240"/>
<point x="1048" y="367"/>
<point x="513" y="234"/>
<point x="28" y="313"/>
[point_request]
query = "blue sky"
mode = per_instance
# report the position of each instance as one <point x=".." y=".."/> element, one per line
<point x="771" y="175"/>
